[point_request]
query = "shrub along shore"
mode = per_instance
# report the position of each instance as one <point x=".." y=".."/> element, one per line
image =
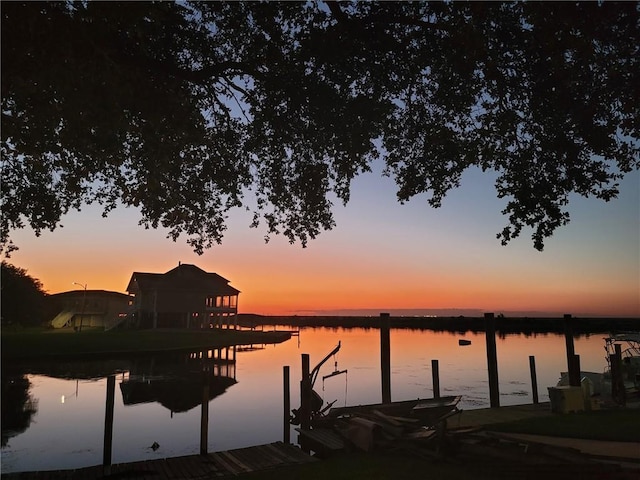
<point x="41" y="343"/>
<point x="504" y="325"/>
<point x="46" y="343"/>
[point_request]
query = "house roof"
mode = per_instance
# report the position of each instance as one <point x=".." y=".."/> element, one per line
<point x="89" y="293"/>
<point x="183" y="277"/>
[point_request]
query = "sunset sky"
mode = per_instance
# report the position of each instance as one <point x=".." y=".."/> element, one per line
<point x="381" y="256"/>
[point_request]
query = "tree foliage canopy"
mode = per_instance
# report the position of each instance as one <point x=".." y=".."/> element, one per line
<point x="23" y="297"/>
<point x="187" y="110"/>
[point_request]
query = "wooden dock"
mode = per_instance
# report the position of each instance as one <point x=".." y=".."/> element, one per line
<point x="213" y="465"/>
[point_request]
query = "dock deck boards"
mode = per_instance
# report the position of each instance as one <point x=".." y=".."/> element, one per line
<point x="191" y="467"/>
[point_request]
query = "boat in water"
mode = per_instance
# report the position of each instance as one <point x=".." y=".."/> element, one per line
<point x="629" y="348"/>
<point x="601" y="383"/>
<point x="423" y="412"/>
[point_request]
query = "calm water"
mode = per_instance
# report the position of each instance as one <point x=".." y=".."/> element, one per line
<point x="56" y="412"/>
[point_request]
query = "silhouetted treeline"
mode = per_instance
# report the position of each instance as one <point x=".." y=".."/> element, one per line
<point x="526" y="325"/>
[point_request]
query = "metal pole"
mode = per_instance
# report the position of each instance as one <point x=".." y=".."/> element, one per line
<point x="84" y="302"/>
<point x="84" y="305"/>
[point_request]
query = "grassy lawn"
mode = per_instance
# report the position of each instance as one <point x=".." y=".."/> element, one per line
<point x="35" y="343"/>
<point x="617" y="425"/>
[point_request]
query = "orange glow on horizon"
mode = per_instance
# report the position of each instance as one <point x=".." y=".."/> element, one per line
<point x="287" y="296"/>
<point x="287" y="281"/>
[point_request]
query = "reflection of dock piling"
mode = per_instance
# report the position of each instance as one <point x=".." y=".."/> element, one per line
<point x="204" y="414"/>
<point x="108" y="424"/>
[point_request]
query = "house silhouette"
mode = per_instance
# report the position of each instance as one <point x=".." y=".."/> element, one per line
<point x="184" y="297"/>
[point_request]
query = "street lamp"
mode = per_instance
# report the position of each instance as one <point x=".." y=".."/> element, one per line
<point x="84" y="300"/>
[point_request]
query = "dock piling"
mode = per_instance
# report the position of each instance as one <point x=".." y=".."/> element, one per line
<point x="618" y="391"/>
<point x="574" y="376"/>
<point x="435" y="376"/>
<point x="385" y="358"/>
<point x="534" y="379"/>
<point x="286" y="437"/>
<point x="492" y="359"/>
<point x="305" y="394"/>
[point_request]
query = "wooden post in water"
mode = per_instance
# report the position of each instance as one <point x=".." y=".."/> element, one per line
<point x="618" y="391"/>
<point x="385" y="358"/>
<point x="534" y="378"/>
<point x="435" y="376"/>
<point x="204" y="415"/>
<point x="574" y="376"/>
<point x="305" y="394"/>
<point x="286" y="437"/>
<point x="576" y="367"/>
<point x="108" y="424"/>
<point x="492" y="359"/>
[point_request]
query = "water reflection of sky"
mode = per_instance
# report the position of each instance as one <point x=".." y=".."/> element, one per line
<point x="69" y="433"/>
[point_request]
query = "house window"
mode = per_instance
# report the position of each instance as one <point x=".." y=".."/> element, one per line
<point x="226" y="301"/>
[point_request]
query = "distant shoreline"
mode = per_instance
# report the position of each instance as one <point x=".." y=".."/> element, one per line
<point x="450" y="324"/>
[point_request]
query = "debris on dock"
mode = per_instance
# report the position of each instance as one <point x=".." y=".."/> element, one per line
<point x="378" y="426"/>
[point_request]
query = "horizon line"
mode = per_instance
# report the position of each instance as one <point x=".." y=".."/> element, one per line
<point x="436" y="312"/>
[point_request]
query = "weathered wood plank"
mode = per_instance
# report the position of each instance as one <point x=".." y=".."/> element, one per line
<point x="191" y="467"/>
<point x="176" y="467"/>
<point x="289" y="454"/>
<point x="227" y="465"/>
<point x="237" y="462"/>
<point x="280" y="453"/>
<point x="162" y="468"/>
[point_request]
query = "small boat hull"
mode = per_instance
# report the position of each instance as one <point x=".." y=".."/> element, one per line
<point x="426" y="411"/>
